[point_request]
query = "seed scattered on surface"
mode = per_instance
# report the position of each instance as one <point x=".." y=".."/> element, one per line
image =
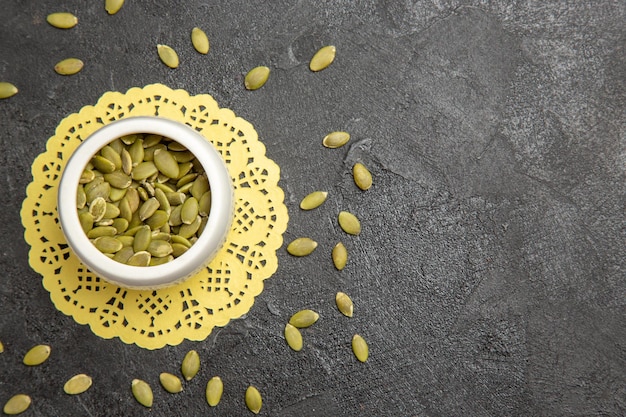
<point x="170" y="382"/>
<point x="168" y="56"/>
<point x="214" y="390"/>
<point x="254" y="402"/>
<point x="293" y="337"/>
<point x="77" y="384"/>
<point x="200" y="40"/>
<point x="362" y="176"/>
<point x="344" y="304"/>
<point x="323" y="58"/>
<point x="313" y="200"/>
<point x="37" y="355"/>
<point x="62" y="20"/>
<point x="301" y="246"/>
<point x="1" y="347"/>
<point x="256" y="77"/>
<point x="304" y="318"/>
<point x="349" y="223"/>
<point x="69" y="66"/>
<point x="336" y="139"/>
<point x="340" y="256"/>
<point x="113" y="6"/>
<point x="142" y="392"/>
<point x="360" y="348"/>
<point x="7" y="90"/>
<point x="17" y="404"/>
<point x="191" y="365"/>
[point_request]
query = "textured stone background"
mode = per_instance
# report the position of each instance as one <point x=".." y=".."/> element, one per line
<point x="489" y="279"/>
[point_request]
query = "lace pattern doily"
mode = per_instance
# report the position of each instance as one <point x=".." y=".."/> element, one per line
<point x="218" y="293"/>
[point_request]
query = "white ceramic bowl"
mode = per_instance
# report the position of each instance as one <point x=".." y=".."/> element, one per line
<point x="200" y="253"/>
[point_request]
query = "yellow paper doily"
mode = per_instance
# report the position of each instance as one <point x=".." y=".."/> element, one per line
<point x="224" y="290"/>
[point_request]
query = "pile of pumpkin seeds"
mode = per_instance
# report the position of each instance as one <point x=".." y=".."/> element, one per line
<point x="143" y="200"/>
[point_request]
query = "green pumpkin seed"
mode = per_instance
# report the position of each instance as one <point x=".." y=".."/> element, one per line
<point x="181" y="240"/>
<point x="153" y="140"/>
<point x="87" y="176"/>
<point x="7" y="90"/>
<point x="86" y="221"/>
<point x="344" y="304"/>
<point x="130" y="139"/>
<point x="159" y="248"/>
<point x="313" y="200"/>
<point x="126" y="240"/>
<point x="254" y="401"/>
<point x="190" y="365"/>
<point x="175" y="219"/>
<point x="69" y="66"/>
<point x="204" y="205"/>
<point x="199" y="187"/>
<point x="118" y="179"/>
<point x="182" y="157"/>
<point x="188" y="230"/>
<point x="304" y="318"/>
<point x="142" y="392"/>
<point x="164" y="203"/>
<point x="183" y="169"/>
<point x="81" y="198"/>
<point x="349" y="223"/>
<point x="100" y="231"/>
<point x="200" y="41"/>
<point x="136" y="152"/>
<point x="143" y="237"/>
<point x="62" y="20"/>
<point x="148" y="208"/>
<point x="336" y="139"/>
<point x="175" y="198"/>
<point x="125" y="211"/>
<point x="189" y="211"/>
<point x="157" y="220"/>
<point x="186" y="179"/>
<point x="178" y="249"/>
<point x="127" y="162"/>
<point x="77" y="384"/>
<point x="111" y="211"/>
<point x="166" y="163"/>
<point x="105" y="222"/>
<point x="102" y="190"/>
<point x="117" y="194"/>
<point x="37" y="355"/>
<point x="124" y="254"/>
<point x="139" y="259"/>
<point x="166" y="188"/>
<point x="113" y="6"/>
<point x="160" y="261"/>
<point x="103" y="164"/>
<point x="340" y="256"/>
<point x="170" y="382"/>
<point x="168" y="56"/>
<point x="17" y="404"/>
<point x="112" y="155"/>
<point x="322" y="58"/>
<point x="214" y="390"/>
<point x="108" y="244"/>
<point x="293" y="337"/>
<point x="144" y="170"/>
<point x="362" y="176"/>
<point x="256" y="78"/>
<point x="302" y="246"/>
<point x="360" y="348"/>
<point x="120" y="224"/>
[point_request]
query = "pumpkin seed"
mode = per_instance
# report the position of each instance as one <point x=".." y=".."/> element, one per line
<point x="139" y="259"/>
<point x="120" y="225"/>
<point x="178" y="249"/>
<point x="304" y="318"/>
<point x="103" y="164"/>
<point x="166" y="163"/>
<point x="98" y="208"/>
<point x="127" y="161"/>
<point x="256" y="78"/>
<point x="322" y="58"/>
<point x="344" y="304"/>
<point x="313" y="200"/>
<point x="69" y="66"/>
<point x="214" y="390"/>
<point x="301" y="246"/>
<point x="175" y="198"/>
<point x="7" y="90"/>
<point x="189" y="211"/>
<point x="190" y="365"/>
<point x="144" y="170"/>
<point x="112" y="155"/>
<point x="170" y="382"/>
<point x="199" y="187"/>
<point x="100" y="231"/>
<point x="254" y="401"/>
<point x="340" y="256"/>
<point x="118" y="179"/>
<point x="77" y="384"/>
<point x="349" y="223"/>
<point x="17" y="404"/>
<point x="87" y="176"/>
<point x="188" y="230"/>
<point x="204" y="205"/>
<point x="164" y="204"/>
<point x="360" y="348"/>
<point x="148" y="208"/>
<point x="124" y="254"/>
<point x="37" y="355"/>
<point x="143" y="237"/>
<point x="157" y="220"/>
<point x="362" y="176"/>
<point x="200" y="41"/>
<point x="86" y="221"/>
<point x="142" y="392"/>
<point x="117" y="194"/>
<point x="62" y="20"/>
<point x="108" y="244"/>
<point x="175" y="219"/>
<point x="336" y="139"/>
<point x="168" y="56"/>
<point x="113" y="6"/>
<point x="293" y="337"/>
<point x="159" y="248"/>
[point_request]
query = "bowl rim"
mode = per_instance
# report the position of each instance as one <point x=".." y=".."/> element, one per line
<point x="201" y="252"/>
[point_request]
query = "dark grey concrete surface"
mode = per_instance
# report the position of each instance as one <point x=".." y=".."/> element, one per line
<point x="489" y="279"/>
